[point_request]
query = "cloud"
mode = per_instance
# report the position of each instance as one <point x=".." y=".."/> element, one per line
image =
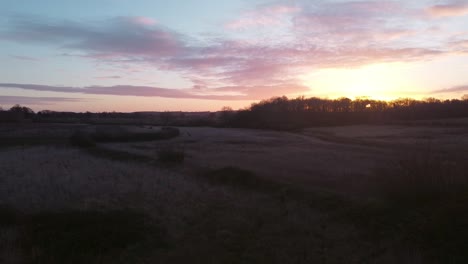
<point x="316" y="35"/>
<point x="108" y="77"/>
<point x="24" y="58"/>
<point x="448" y="10"/>
<point x="36" y="100"/>
<point x="117" y="37"/>
<point x="357" y="22"/>
<point x="221" y="93"/>
<point x="264" y="15"/>
<point x="460" y="88"/>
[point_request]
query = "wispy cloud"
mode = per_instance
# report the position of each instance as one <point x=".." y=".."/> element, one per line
<point x="120" y="36"/>
<point x="108" y="77"/>
<point x="319" y="35"/>
<point x="264" y="15"/>
<point x="460" y="88"/>
<point x="221" y="93"/>
<point x="454" y="9"/>
<point x="24" y="58"/>
<point x="10" y="100"/>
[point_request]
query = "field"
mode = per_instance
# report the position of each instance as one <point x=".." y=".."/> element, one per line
<point x="351" y="194"/>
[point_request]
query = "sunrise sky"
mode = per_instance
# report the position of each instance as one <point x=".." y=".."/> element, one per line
<point x="196" y="55"/>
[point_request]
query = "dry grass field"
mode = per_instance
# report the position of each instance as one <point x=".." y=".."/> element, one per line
<point x="354" y="194"/>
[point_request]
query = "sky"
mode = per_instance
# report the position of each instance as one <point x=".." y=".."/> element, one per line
<point x="201" y="55"/>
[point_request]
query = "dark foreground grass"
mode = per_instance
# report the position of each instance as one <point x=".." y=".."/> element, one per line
<point x="118" y="155"/>
<point x="423" y="204"/>
<point x="236" y="177"/>
<point x="124" y="136"/>
<point x="86" y="236"/>
<point x="171" y="155"/>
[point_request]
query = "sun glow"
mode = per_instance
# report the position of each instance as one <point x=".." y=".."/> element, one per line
<point x="384" y="81"/>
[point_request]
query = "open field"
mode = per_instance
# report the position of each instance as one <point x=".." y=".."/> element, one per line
<point x="320" y="195"/>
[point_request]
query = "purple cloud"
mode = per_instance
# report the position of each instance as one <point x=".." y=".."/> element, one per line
<point x="333" y="34"/>
<point x="117" y="37"/>
<point x="222" y="93"/>
<point x="24" y="58"/>
<point x="108" y="77"/>
<point x="453" y="9"/>
<point x="36" y="100"/>
<point x="460" y="88"/>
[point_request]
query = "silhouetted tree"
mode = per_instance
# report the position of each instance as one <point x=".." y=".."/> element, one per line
<point x="26" y="111"/>
<point x="166" y="118"/>
<point x="283" y="113"/>
<point x="226" y="115"/>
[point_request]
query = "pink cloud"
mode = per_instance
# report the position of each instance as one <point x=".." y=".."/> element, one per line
<point x="24" y="58"/>
<point x="146" y="21"/>
<point x="266" y="15"/>
<point x="108" y="77"/>
<point x="25" y="100"/>
<point x="254" y="92"/>
<point x="332" y="34"/>
<point x="448" y="10"/>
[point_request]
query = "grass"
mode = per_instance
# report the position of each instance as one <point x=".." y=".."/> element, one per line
<point x="171" y="155"/>
<point x="117" y="155"/>
<point x="125" y="136"/>
<point x="424" y="203"/>
<point x="82" y="140"/>
<point x="237" y="177"/>
<point x="9" y="217"/>
<point x="74" y="236"/>
<point x="257" y="221"/>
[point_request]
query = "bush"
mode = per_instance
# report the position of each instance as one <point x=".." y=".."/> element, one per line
<point x="89" y="236"/>
<point x="424" y="177"/>
<point x="124" y="136"/>
<point x="82" y="140"/>
<point x="171" y="155"/>
<point x="234" y="176"/>
<point x="425" y="202"/>
<point x="9" y="217"/>
<point x="169" y="132"/>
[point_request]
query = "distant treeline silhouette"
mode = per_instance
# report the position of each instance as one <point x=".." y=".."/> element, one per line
<point x="285" y="114"/>
<point x="279" y="113"/>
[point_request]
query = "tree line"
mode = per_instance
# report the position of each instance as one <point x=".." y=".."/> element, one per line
<point x="284" y="114"/>
<point x="279" y="113"/>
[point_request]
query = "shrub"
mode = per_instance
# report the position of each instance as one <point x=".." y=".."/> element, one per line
<point x="426" y="203"/>
<point x="124" y="136"/>
<point x="423" y="177"/>
<point x="235" y="176"/>
<point x="82" y="140"/>
<point x="171" y="155"/>
<point x="169" y="132"/>
<point x="89" y="236"/>
<point x="9" y="216"/>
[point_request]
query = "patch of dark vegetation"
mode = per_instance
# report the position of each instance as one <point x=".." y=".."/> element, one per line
<point x="82" y="140"/>
<point x="9" y="217"/>
<point x="424" y="203"/>
<point x="171" y="155"/>
<point x="9" y="142"/>
<point x="238" y="177"/>
<point x="125" y="136"/>
<point x="424" y="177"/>
<point x="241" y="142"/>
<point x="88" y="236"/>
<point x="118" y="155"/>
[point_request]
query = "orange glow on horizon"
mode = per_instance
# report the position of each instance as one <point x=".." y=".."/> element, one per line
<point x="386" y="81"/>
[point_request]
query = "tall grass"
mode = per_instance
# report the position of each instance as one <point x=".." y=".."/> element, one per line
<point x="425" y="204"/>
